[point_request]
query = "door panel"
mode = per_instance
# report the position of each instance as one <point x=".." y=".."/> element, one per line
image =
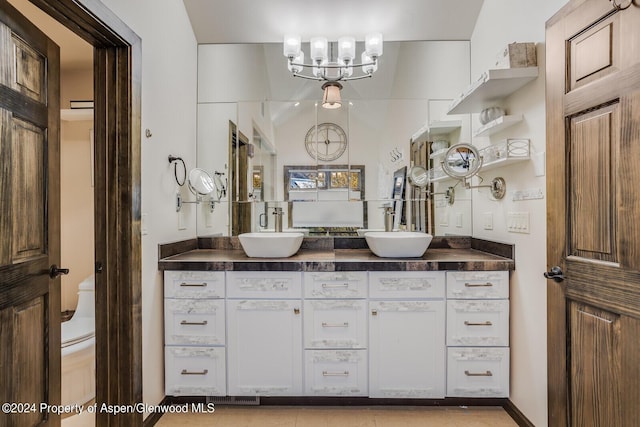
<point x="29" y="219"/>
<point x="593" y="144"/>
<point x="593" y="213"/>
<point x="595" y="367"/>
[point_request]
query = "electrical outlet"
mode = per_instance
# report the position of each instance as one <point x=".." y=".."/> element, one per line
<point x="181" y="215"/>
<point x="144" y="220"/>
<point x="488" y="221"/>
<point x="444" y="219"/>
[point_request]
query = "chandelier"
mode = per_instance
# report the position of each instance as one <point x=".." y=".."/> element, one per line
<point x="332" y="69"/>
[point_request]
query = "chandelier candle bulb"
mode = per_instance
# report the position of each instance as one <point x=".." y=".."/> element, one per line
<point x="292" y="45"/>
<point x="319" y="49"/>
<point x="346" y="49"/>
<point x="373" y="45"/>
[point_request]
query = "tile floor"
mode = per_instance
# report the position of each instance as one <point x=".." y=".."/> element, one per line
<point x="342" y="416"/>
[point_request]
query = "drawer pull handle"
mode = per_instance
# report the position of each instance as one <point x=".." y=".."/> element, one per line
<point x="193" y="285"/>
<point x="478" y="285"/>
<point x="184" y="322"/>
<point x="330" y="285"/>
<point x="296" y="311"/>
<point x="487" y="323"/>
<point x="478" y="374"/>
<point x="374" y="312"/>
<point x="335" y="325"/>
<point x="335" y="374"/>
<point x="185" y="372"/>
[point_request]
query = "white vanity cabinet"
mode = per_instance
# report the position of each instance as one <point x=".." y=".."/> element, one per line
<point x="407" y="334"/>
<point x="478" y="334"/>
<point x="264" y="325"/>
<point x="335" y="333"/>
<point x="195" y="339"/>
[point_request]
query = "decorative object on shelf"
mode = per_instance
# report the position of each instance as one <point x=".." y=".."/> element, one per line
<point x="506" y="151"/>
<point x="325" y="142"/>
<point x="329" y="68"/>
<point x="490" y="114"/>
<point x="517" y="55"/>
<point x="439" y="145"/>
<point x="463" y="161"/>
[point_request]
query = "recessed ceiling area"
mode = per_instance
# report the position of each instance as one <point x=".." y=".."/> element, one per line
<point x="251" y="21"/>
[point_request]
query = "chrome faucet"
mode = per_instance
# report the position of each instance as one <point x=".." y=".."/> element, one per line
<point x="388" y="218"/>
<point x="277" y="212"/>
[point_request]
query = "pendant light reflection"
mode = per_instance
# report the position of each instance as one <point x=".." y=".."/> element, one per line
<point x="331" y="97"/>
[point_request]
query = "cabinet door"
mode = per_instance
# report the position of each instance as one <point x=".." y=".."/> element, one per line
<point x="338" y="284"/>
<point x="478" y="372"/>
<point x="407" y="349"/>
<point x="194" y="322"/>
<point x="195" y="371"/>
<point x="406" y="284"/>
<point x="336" y="372"/>
<point x="264" y="284"/>
<point x="264" y="344"/>
<point x="194" y="284"/>
<point x="335" y="324"/>
<point x="478" y="323"/>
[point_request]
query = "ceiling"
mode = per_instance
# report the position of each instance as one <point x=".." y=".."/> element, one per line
<point x="251" y="21"/>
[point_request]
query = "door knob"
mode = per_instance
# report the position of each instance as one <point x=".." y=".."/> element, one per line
<point x="555" y="273"/>
<point x="54" y="271"/>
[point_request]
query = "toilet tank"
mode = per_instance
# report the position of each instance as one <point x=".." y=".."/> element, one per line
<point x="86" y="298"/>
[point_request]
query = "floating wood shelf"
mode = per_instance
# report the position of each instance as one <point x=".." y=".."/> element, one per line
<point x="436" y="128"/>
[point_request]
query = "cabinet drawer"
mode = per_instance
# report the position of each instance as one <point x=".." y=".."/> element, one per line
<point x="478" y="322"/>
<point x="195" y="322"/>
<point x="195" y="371"/>
<point x="264" y="284"/>
<point x="336" y="372"/>
<point x="406" y="284"/>
<point x="478" y="372"/>
<point x="335" y="324"/>
<point x="335" y="284"/>
<point x="194" y="284"/>
<point x="478" y="284"/>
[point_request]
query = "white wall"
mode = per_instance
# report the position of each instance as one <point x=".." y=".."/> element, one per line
<point x="502" y="22"/>
<point x="76" y="200"/>
<point x="169" y="71"/>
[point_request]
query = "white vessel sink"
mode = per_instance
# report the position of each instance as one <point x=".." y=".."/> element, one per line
<point x="398" y="244"/>
<point x="270" y="245"/>
<point x="362" y="231"/>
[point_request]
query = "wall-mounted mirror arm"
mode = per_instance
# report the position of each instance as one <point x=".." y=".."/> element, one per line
<point x="419" y="177"/>
<point x="200" y="184"/>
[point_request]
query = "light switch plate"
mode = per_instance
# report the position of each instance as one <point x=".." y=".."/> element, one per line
<point x="459" y="219"/>
<point x="518" y="222"/>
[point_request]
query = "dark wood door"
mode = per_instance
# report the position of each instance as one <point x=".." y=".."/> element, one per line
<point x="593" y="221"/>
<point x="29" y="221"/>
<point x="239" y="169"/>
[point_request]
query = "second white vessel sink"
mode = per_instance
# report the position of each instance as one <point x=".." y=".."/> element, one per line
<point x="270" y="245"/>
<point x="398" y="244"/>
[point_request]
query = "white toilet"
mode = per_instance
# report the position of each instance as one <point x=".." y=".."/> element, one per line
<point x="78" y="349"/>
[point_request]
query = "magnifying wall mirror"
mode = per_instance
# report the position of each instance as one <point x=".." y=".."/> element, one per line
<point x="463" y="161"/>
<point x="200" y="182"/>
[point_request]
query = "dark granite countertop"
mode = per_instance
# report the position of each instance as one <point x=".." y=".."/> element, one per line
<point x="446" y="254"/>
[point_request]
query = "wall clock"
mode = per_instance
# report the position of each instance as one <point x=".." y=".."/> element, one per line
<point x="328" y="144"/>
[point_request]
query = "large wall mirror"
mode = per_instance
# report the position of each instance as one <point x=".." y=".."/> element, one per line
<point x="265" y="134"/>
